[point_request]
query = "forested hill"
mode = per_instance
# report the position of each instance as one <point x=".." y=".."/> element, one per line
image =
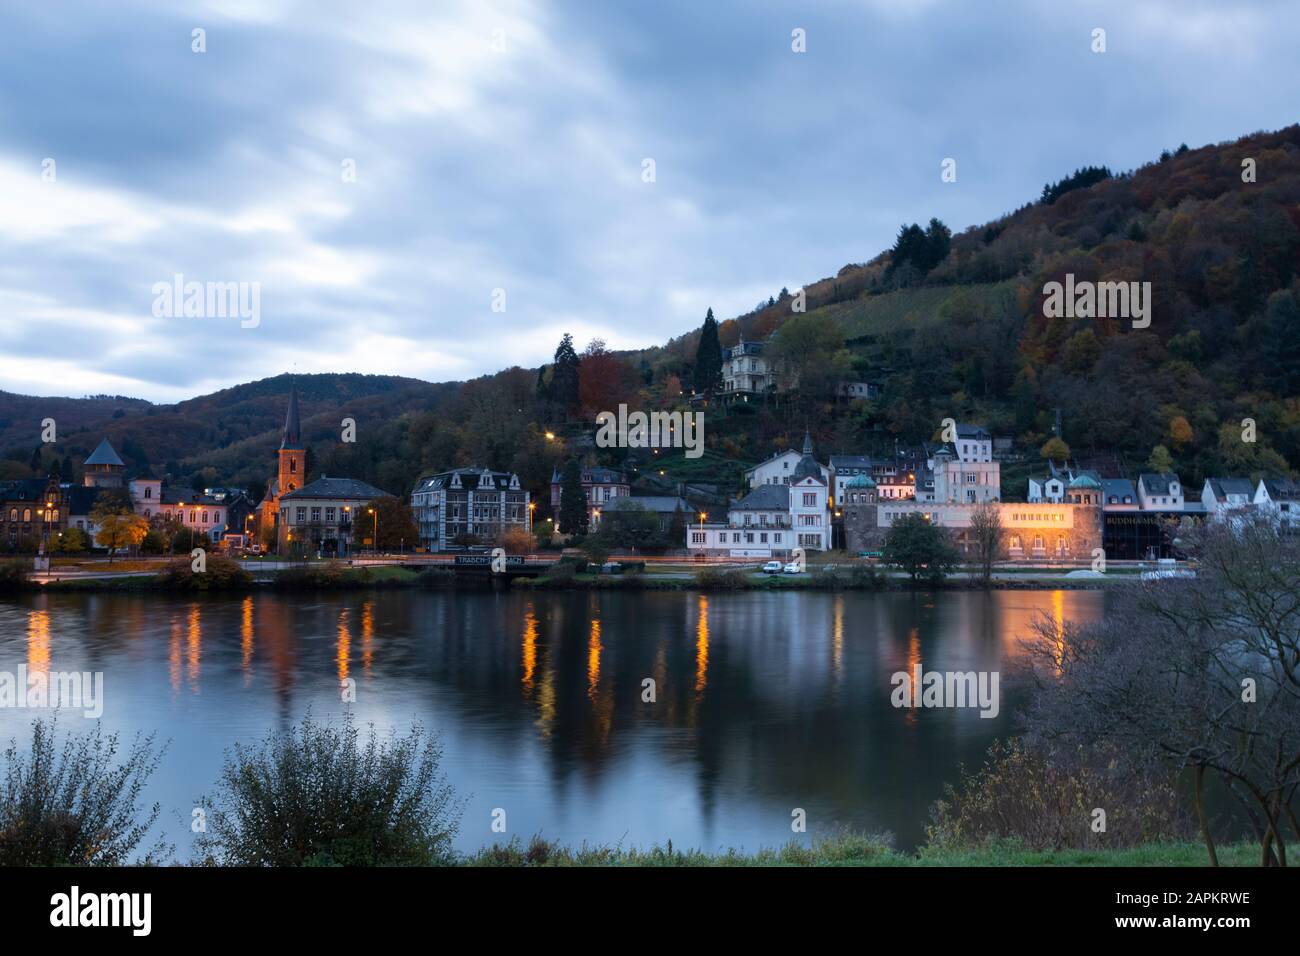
<point x="964" y="334"/>
<point x="236" y="428"/>
<point x="950" y="325"/>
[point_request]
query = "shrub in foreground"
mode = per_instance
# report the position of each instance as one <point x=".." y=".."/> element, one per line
<point x="1041" y="799"/>
<point x="79" y="804"/>
<point x="321" y="795"/>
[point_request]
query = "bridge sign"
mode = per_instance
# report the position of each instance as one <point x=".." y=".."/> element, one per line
<point x="485" y="560"/>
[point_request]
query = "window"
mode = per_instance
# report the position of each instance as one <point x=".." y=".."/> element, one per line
<point x="810" y="499"/>
<point x="315" y="514"/>
<point x="697" y="537"/>
<point x="1014" y="542"/>
<point x="205" y="517"/>
<point x="148" y="492"/>
<point x="300" y="515"/>
<point x="329" y="514"/>
<point x="27" y="514"/>
<point x="776" y="539"/>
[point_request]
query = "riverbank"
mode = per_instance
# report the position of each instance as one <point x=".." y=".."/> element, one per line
<point x="857" y="850"/>
<point x="324" y="577"/>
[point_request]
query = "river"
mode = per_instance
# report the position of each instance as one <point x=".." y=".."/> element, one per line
<point x="765" y="703"/>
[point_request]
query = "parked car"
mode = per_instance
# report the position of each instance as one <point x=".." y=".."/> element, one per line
<point x="772" y="567"/>
<point x="792" y="568"/>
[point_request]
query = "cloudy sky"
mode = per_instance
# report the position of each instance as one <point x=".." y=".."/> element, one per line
<point x="502" y="146"/>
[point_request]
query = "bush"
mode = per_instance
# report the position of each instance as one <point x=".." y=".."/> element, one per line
<point x="562" y="571"/>
<point x="437" y="578"/>
<point x="722" y="579"/>
<point x="1044" y="800"/>
<point x="221" y="574"/>
<point x="77" y="806"/>
<point x="321" y="577"/>
<point x="15" y="574"/>
<point x="316" y="795"/>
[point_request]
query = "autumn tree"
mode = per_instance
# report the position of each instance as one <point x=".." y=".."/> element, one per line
<point x="395" y="528"/>
<point x="1160" y="462"/>
<point x="1054" y="450"/>
<point x="605" y="381"/>
<point x="120" y="530"/>
<point x="809" y="352"/>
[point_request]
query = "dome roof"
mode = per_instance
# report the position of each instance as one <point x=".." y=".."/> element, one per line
<point x="1085" y="481"/>
<point x="860" y="481"/>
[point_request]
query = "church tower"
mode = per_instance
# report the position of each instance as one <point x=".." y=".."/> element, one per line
<point x="293" y="454"/>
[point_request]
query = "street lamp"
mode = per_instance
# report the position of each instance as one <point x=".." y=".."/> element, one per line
<point x="375" y="543"/>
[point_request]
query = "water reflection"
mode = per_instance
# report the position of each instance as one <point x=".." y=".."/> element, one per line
<point x="763" y="702"/>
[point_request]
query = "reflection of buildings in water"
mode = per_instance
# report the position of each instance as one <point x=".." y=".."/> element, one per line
<point x="593" y="659"/>
<point x="246" y="639"/>
<point x="174" y="656"/>
<point x="1058" y="628"/>
<point x="344" y="645"/>
<point x="702" y="645"/>
<point x="193" y="648"/>
<point x="837" y="644"/>
<point x="529" y="650"/>
<point x="38" y="641"/>
<point x="277" y="629"/>
<point x="367" y="635"/>
<point x="913" y="662"/>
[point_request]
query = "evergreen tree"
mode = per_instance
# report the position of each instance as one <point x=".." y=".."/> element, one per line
<point x="938" y="240"/>
<point x="573" y="502"/>
<point x="564" y="376"/>
<point x="36" y="460"/>
<point x="708" y="358"/>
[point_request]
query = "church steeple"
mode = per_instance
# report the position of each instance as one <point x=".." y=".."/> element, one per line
<point x="293" y="453"/>
<point x="292" y="425"/>
<point x="807" y="442"/>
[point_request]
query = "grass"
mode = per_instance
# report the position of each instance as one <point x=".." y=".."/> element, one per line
<point x="851" y="849"/>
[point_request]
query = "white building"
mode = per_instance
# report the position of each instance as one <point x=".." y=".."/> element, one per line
<point x="1162" y="492"/>
<point x="328" y="515"/>
<point x="1280" y="497"/>
<point x="747" y="371"/>
<point x="1224" y="496"/>
<point x="778" y="470"/>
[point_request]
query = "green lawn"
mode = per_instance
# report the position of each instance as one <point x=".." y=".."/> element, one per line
<point x="853" y="850"/>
